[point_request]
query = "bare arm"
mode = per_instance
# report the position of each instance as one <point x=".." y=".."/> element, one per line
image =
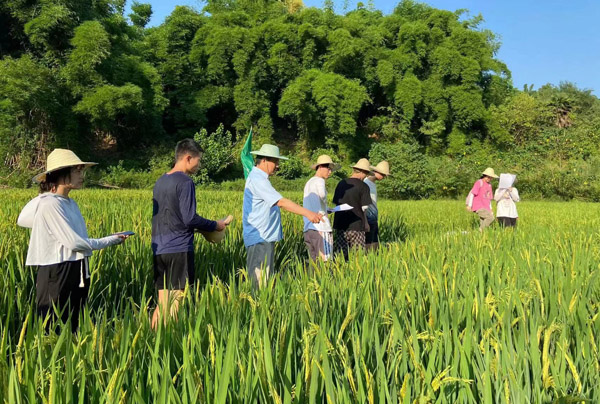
<point x="292" y="207"/>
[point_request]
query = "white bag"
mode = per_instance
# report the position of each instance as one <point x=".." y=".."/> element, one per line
<point x="469" y="200"/>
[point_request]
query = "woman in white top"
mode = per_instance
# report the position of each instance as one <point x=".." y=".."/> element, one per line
<point x="506" y="208"/>
<point x="59" y="245"/>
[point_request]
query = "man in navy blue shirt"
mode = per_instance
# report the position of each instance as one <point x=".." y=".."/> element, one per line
<point x="174" y="221"/>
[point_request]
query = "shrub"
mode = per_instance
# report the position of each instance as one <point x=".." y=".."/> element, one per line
<point x="411" y="174"/>
<point x="293" y="168"/>
<point x="218" y="154"/>
<point x="118" y="176"/>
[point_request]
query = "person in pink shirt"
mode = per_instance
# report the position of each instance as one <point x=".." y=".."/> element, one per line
<point x="480" y="198"/>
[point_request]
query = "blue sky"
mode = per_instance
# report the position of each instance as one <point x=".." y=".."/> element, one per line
<point x="543" y="41"/>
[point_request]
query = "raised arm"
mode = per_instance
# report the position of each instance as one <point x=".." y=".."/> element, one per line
<point x="499" y="194"/>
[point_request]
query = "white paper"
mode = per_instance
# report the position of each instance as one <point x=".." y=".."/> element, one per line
<point x="506" y="181"/>
<point x="340" y="208"/>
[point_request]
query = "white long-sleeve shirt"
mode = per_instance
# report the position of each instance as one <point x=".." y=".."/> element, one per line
<point x="506" y="199"/>
<point x="58" y="231"/>
<point x="315" y="200"/>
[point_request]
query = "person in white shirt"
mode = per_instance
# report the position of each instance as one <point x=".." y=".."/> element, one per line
<point x="59" y="244"/>
<point x="380" y="171"/>
<point x="506" y="208"/>
<point x="318" y="236"/>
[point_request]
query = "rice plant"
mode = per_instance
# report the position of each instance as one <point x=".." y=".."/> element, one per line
<point x="440" y="314"/>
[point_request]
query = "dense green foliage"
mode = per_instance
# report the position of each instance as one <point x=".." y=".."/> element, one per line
<point x="438" y="316"/>
<point x="419" y="85"/>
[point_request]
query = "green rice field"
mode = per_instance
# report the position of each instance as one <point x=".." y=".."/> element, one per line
<point x="440" y="314"/>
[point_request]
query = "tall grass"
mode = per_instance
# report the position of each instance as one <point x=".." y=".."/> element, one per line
<point x="436" y="316"/>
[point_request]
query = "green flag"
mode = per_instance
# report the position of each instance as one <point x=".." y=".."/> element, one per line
<point x="246" y="157"/>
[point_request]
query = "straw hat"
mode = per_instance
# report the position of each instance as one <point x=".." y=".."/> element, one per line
<point x="269" y="150"/>
<point x="61" y="158"/>
<point x="382" y="168"/>
<point x="489" y="172"/>
<point x="217" y="236"/>
<point x="325" y="159"/>
<point x="363" y="164"/>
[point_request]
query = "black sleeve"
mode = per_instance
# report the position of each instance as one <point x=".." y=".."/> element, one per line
<point x="187" y="206"/>
<point x="336" y="194"/>
<point x="365" y="198"/>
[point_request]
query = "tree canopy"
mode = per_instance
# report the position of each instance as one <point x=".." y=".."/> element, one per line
<point x="82" y="74"/>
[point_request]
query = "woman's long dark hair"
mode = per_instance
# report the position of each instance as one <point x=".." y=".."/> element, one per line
<point x="54" y="179"/>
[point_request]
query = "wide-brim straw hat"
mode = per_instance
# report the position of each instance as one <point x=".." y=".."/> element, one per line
<point x="58" y="159"/>
<point x="216" y="237"/>
<point x="489" y="172"/>
<point x="324" y="159"/>
<point x="382" y="168"/>
<point x="363" y="164"/>
<point x="269" y="150"/>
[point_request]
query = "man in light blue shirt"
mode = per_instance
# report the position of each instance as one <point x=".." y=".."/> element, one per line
<point x="262" y="216"/>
